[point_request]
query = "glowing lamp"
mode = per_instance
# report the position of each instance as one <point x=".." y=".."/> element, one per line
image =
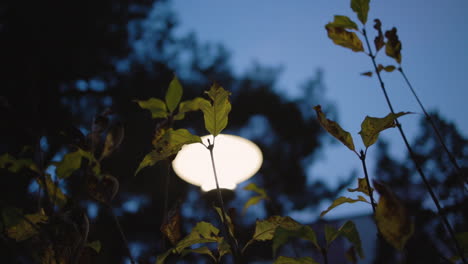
<point x="236" y="160"/>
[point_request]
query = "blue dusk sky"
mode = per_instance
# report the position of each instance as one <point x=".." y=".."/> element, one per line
<point x="291" y="34"/>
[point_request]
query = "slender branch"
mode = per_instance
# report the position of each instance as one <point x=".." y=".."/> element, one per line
<point x="362" y="157"/>
<point x="413" y="157"/>
<point x="122" y="235"/>
<point x="436" y="130"/>
<point x="324" y="252"/>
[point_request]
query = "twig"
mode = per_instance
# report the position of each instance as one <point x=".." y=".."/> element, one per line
<point x="362" y="157"/>
<point x="122" y="235"/>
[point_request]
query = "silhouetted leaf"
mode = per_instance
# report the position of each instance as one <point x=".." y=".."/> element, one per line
<point x="283" y="234"/>
<point x="56" y="195"/>
<point x="330" y="234"/>
<point x="362" y="187"/>
<point x="201" y="250"/>
<point x="227" y="219"/>
<point x="334" y="129"/>
<point x="216" y="112"/>
<point x="344" y="38"/>
<point x="169" y="144"/>
<point x="95" y="245"/>
<point x="113" y="140"/>
<point x="288" y="260"/>
<point x="351" y="255"/>
<point x="341" y="200"/>
<point x="369" y="73"/>
<point x="392" y="218"/>
<point x="156" y="106"/>
<point x="173" y="94"/>
<point x="203" y="232"/>
<point x="379" y="39"/>
<point x="223" y="248"/>
<point x="372" y="126"/>
<point x="393" y="45"/>
<point x="255" y="199"/>
<point x="361" y="8"/>
<point x="349" y="231"/>
<point x="388" y="68"/>
<point x="10" y="216"/>
<point x="343" y="22"/>
<point x="15" y="165"/>
<point x="26" y="227"/>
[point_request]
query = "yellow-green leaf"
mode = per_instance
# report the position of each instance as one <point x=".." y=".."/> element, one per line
<point x="343" y="22"/>
<point x="362" y="187"/>
<point x="227" y="218"/>
<point x="15" y="165"/>
<point x="192" y="105"/>
<point x="173" y="94"/>
<point x="330" y="234"/>
<point x="288" y="260"/>
<point x="344" y="38"/>
<point x="167" y="145"/>
<point x="388" y="68"/>
<point x="349" y="231"/>
<point x="392" y="218"/>
<point x="216" y="112"/>
<point x="393" y="45"/>
<point x="27" y="227"/>
<point x="256" y="199"/>
<point x="72" y="161"/>
<point x="95" y="245"/>
<point x="56" y="195"/>
<point x="156" y="106"/>
<point x="334" y="129"/>
<point x="223" y="248"/>
<point x="162" y="257"/>
<point x="283" y="234"/>
<point x="361" y="8"/>
<point x="341" y="200"/>
<point x="203" y="232"/>
<point x="201" y="250"/>
<point x="372" y="126"/>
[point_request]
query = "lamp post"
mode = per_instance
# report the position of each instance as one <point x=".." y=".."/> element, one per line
<point x="237" y="159"/>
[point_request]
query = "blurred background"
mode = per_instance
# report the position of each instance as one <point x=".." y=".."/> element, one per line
<point x="63" y="64"/>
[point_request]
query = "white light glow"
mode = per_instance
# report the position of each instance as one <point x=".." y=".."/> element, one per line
<point x="236" y="160"/>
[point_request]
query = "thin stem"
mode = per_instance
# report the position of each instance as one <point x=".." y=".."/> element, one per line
<point x="231" y="239"/>
<point x="324" y="255"/>
<point x="362" y="157"/>
<point x="436" y="130"/>
<point x="413" y="157"/>
<point x="166" y="198"/>
<point x="122" y="235"/>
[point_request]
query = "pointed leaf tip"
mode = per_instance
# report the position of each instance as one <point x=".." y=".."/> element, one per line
<point x="344" y="38"/>
<point x="372" y="126"/>
<point x="334" y="129"/>
<point x="173" y="94"/>
<point x="361" y="8"/>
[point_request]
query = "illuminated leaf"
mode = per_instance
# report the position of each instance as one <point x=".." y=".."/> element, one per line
<point x="27" y="227"/>
<point x="56" y="195"/>
<point x="349" y="231"/>
<point x="344" y="38"/>
<point x="200" y="250"/>
<point x="203" y="232"/>
<point x="287" y="260"/>
<point x="369" y="73"/>
<point x="393" y="45"/>
<point x="156" y="106"/>
<point x="256" y="199"/>
<point x="361" y="8"/>
<point x="192" y="105"/>
<point x="392" y="218"/>
<point x="173" y="94"/>
<point x="172" y="226"/>
<point x="283" y="234"/>
<point x="113" y="140"/>
<point x="343" y="22"/>
<point x="372" y="126"/>
<point x="15" y="165"/>
<point x="95" y="245"/>
<point x="334" y="129"/>
<point x="169" y="144"/>
<point x="362" y="187"/>
<point x="379" y="39"/>
<point x="216" y="112"/>
<point x="341" y="200"/>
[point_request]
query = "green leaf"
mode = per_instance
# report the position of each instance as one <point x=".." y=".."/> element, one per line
<point x="392" y="218"/>
<point x="169" y="144"/>
<point x="72" y="162"/>
<point x="200" y="250"/>
<point x="256" y="199"/>
<point x="334" y="129"/>
<point x="216" y="112"/>
<point x="27" y="227"/>
<point x="192" y="105"/>
<point x="227" y="218"/>
<point x="343" y="22"/>
<point x="393" y="45"/>
<point x="56" y="195"/>
<point x="372" y="126"/>
<point x="161" y="258"/>
<point x="341" y="200"/>
<point x="173" y="94"/>
<point x="362" y="187"/>
<point x="223" y="248"/>
<point x="349" y="231"/>
<point x="15" y="165"/>
<point x="361" y="8"/>
<point x="283" y="234"/>
<point x="287" y="260"/>
<point x="95" y="245"/>
<point x="203" y="232"/>
<point x="344" y="38"/>
<point x="330" y="234"/>
<point x="156" y="106"/>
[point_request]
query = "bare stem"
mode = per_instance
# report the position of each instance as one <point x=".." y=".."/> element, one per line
<point x="324" y="255"/>
<point x="122" y="235"/>
<point x="369" y="189"/>
<point x="413" y="157"/>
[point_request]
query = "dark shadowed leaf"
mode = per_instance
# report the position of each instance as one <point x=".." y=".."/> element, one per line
<point x="334" y="129"/>
<point x="288" y="260"/>
<point x="113" y="140"/>
<point x="227" y="218"/>
<point x="341" y="200"/>
<point x="393" y="45"/>
<point x="361" y="8"/>
<point x="349" y="231"/>
<point x="56" y="195"/>
<point x="379" y="39"/>
<point x="104" y="189"/>
<point x="223" y="248"/>
<point x="330" y="234"/>
<point x="200" y="250"/>
<point x="95" y="245"/>
<point x="27" y="227"/>
<point x="203" y="232"/>
<point x="171" y="227"/>
<point x="372" y="126"/>
<point x="15" y="165"/>
<point x="344" y="38"/>
<point x="362" y="187"/>
<point x="343" y="22"/>
<point x="369" y="73"/>
<point x="173" y="94"/>
<point x="388" y="68"/>
<point x="168" y="144"/>
<point x="216" y="112"/>
<point x="72" y="162"/>
<point x="162" y="257"/>
<point x="351" y="255"/>
<point x="156" y="106"/>
<point x="283" y="234"/>
<point x="392" y="218"/>
<point x="255" y="199"/>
